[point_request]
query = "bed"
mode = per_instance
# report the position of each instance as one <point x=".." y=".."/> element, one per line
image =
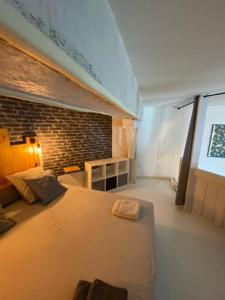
<point x="76" y="237"/>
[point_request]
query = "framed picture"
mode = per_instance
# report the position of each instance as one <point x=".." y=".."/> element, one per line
<point x="217" y="141"/>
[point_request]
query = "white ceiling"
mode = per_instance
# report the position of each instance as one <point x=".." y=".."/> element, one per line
<point x="176" y="47"/>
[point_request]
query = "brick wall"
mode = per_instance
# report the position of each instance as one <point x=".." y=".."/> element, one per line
<point x="67" y="137"/>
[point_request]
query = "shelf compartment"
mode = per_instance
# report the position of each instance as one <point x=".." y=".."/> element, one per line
<point x="111" y="183"/>
<point x="98" y="173"/>
<point x="111" y="169"/>
<point x="122" y="179"/>
<point x="99" y="185"/>
<point x="123" y="167"/>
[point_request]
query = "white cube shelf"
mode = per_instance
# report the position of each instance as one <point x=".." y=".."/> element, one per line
<point x="106" y="174"/>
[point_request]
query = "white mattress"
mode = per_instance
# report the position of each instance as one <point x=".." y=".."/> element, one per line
<point x="76" y="237"/>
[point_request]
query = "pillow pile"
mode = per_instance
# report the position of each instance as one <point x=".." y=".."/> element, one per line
<point x="36" y="184"/>
<point x="17" y="180"/>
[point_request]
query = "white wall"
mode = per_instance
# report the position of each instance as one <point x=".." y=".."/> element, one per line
<point x="148" y="141"/>
<point x="161" y="140"/>
<point x="86" y="31"/>
<point x="214" y="115"/>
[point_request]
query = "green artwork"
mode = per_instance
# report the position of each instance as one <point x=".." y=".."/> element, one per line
<point x="217" y="141"/>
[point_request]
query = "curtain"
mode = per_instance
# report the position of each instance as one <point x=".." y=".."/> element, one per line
<point x="186" y="162"/>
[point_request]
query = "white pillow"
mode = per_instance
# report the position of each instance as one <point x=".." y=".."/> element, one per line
<point x="25" y="191"/>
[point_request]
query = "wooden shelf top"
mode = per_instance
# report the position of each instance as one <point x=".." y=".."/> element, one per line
<point x="99" y="162"/>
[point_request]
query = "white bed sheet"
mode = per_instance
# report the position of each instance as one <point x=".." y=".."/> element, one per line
<point x="76" y="237"/>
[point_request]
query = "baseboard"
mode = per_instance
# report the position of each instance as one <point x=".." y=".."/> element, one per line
<point x="154" y="177"/>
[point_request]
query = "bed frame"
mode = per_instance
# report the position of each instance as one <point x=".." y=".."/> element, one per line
<point x="19" y="157"/>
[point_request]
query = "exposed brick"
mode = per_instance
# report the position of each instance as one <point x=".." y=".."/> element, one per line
<point x="67" y="137"/>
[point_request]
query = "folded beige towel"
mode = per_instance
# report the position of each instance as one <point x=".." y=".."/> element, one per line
<point x="129" y="209"/>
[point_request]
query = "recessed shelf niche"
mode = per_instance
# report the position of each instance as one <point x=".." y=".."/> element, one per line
<point x="123" y="167"/>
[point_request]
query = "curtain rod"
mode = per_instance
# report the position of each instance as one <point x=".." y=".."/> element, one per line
<point x="182" y="106"/>
<point x="206" y="96"/>
<point x="211" y="95"/>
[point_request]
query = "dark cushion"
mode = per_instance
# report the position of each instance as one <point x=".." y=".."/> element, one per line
<point x="8" y="194"/>
<point x="100" y="290"/>
<point x="5" y="224"/>
<point x="46" y="188"/>
<point x="81" y="290"/>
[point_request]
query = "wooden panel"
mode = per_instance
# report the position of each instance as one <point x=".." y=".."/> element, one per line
<point x="210" y="202"/>
<point x="17" y="158"/>
<point x="199" y="196"/>
<point x="5" y="155"/>
<point x="220" y="208"/>
<point x="209" y="199"/>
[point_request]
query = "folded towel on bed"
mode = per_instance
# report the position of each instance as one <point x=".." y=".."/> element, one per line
<point x="99" y="290"/>
<point x="129" y="209"/>
<point x="81" y="290"/>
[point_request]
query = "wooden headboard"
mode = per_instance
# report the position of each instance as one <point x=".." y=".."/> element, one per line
<point x="16" y="158"/>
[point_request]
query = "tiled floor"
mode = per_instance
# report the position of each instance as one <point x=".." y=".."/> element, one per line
<point x="190" y="251"/>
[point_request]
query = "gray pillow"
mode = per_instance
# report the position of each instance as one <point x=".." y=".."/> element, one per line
<point x="46" y="188"/>
<point x="5" y="224"/>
